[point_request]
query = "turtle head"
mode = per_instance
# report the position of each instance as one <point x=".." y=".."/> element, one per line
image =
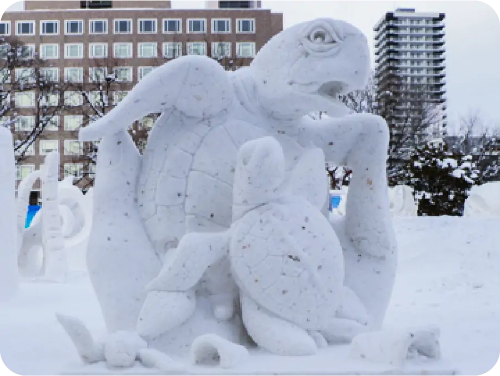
<point x="306" y="67"/>
<point x="259" y="175"/>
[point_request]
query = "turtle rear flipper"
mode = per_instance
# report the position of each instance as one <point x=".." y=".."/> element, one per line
<point x="186" y="265"/>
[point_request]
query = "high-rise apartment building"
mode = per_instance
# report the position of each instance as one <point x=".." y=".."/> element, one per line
<point x="84" y="42"/>
<point x="410" y="65"/>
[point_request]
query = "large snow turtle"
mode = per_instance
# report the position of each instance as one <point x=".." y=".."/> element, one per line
<point x="284" y="255"/>
<point x="183" y="182"/>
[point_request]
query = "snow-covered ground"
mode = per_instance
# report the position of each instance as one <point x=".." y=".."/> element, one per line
<point x="449" y="274"/>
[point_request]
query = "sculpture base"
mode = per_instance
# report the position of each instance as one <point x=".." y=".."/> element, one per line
<point x="330" y="361"/>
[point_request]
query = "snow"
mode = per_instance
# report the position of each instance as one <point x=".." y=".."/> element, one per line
<point x="450" y="281"/>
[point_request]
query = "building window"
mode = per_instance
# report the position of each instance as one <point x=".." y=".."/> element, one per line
<point x="147" y="122"/>
<point x="24" y="123"/>
<point x="196" y="48"/>
<point x="245" y="49"/>
<point x="4" y="51"/>
<point x="49" y="27"/>
<point x="23" y="171"/>
<point x="246" y="26"/>
<point x="119" y="95"/>
<point x="28" y="150"/>
<point x="49" y="74"/>
<point x="123" y="27"/>
<point x="47" y="146"/>
<point x="98" y="98"/>
<point x="148" y="49"/>
<point x="4" y="78"/>
<point x="49" y="100"/>
<point x="197" y="26"/>
<point x="25" y="27"/>
<point x="143" y="71"/>
<point x="26" y="75"/>
<point x="147" y="26"/>
<point x="26" y="52"/>
<point x="49" y="51"/>
<point x="171" y="50"/>
<point x="221" y="49"/>
<point x="74" y="27"/>
<point x="5" y="28"/>
<point x="97" y="74"/>
<point x="73" y="98"/>
<point x="73" y="51"/>
<point x="52" y="123"/>
<point x="172" y="26"/>
<point x="72" y="147"/>
<point x="25" y="99"/>
<point x="73" y="169"/>
<point x="221" y="26"/>
<point x="122" y="50"/>
<point x="98" y="50"/>
<point x="123" y="74"/>
<point x="98" y="26"/>
<point x="73" y="74"/>
<point x="72" y="122"/>
<point x="235" y="4"/>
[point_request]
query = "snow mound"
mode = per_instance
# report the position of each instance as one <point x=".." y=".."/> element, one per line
<point x="210" y="349"/>
<point x="122" y="348"/>
<point x="483" y="201"/>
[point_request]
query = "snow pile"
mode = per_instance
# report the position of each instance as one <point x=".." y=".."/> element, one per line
<point x="483" y="201"/>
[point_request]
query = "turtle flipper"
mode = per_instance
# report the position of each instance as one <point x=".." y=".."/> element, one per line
<point x="185" y="266"/>
<point x="197" y="86"/>
<point x="308" y="178"/>
<point x="273" y="333"/>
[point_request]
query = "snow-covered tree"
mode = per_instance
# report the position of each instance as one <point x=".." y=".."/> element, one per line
<point x="440" y="179"/>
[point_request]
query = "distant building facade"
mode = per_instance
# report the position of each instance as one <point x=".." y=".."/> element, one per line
<point x="85" y="41"/>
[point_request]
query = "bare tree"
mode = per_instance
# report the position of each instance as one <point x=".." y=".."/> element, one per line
<point x="31" y="95"/>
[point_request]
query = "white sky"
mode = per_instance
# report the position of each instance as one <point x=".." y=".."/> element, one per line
<point x="472" y="42"/>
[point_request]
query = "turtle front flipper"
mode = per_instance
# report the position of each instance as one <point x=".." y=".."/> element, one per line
<point x="171" y="297"/>
<point x="196" y="86"/>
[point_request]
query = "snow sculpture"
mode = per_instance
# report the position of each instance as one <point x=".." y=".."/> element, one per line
<point x="402" y="201"/>
<point x="8" y="247"/>
<point x="184" y="181"/>
<point x="64" y="201"/>
<point x="483" y="201"/>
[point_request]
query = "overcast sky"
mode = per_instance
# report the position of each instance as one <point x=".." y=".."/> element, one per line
<point x="472" y="42"/>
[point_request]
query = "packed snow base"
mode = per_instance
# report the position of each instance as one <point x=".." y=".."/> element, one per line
<point x="448" y="275"/>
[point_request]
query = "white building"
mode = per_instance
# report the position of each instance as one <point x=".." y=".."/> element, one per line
<point x="410" y="48"/>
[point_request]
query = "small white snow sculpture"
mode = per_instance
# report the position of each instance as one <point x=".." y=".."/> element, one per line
<point x="54" y="260"/>
<point x="75" y="211"/>
<point x="483" y="201"/>
<point x="183" y="184"/>
<point x="8" y="246"/>
<point x="402" y="201"/>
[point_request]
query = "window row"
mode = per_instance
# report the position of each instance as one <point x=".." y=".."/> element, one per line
<point x="70" y="122"/>
<point x="76" y="170"/>
<point x="125" y="26"/>
<point x="144" y="50"/>
<point x="26" y="99"/>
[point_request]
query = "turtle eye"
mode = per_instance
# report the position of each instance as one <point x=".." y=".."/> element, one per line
<point x="321" y="36"/>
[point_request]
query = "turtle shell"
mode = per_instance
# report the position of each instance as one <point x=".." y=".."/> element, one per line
<point x="186" y="179"/>
<point x="289" y="260"/>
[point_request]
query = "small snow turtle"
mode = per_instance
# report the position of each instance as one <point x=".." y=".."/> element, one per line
<point x="284" y="255"/>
